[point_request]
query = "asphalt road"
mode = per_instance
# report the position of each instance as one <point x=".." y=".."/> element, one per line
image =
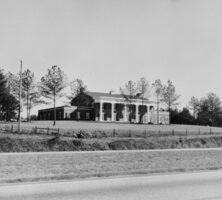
<point x="186" y="186"/>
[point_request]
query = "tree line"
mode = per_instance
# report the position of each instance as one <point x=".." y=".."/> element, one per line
<point x="205" y="111"/>
<point x="164" y="93"/>
<point x="34" y="93"/>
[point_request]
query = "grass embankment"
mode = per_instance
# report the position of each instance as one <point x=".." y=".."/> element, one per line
<point x="33" y="143"/>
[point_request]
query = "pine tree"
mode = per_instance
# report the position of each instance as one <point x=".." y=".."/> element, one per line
<point x="52" y="85"/>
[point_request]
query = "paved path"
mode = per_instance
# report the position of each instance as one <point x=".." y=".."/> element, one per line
<point x="187" y="186"/>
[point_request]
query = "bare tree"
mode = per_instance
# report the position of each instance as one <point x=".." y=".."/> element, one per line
<point x="13" y="89"/>
<point x="129" y="92"/>
<point x="77" y="87"/>
<point x="35" y="99"/>
<point x="170" y="96"/>
<point x="28" y="86"/>
<point x="52" y="85"/>
<point x="142" y="88"/>
<point x="158" y="89"/>
<point x="194" y="105"/>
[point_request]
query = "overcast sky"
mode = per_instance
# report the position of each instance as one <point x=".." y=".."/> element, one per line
<point x="108" y="42"/>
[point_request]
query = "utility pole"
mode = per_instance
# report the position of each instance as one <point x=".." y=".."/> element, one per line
<point x="20" y="94"/>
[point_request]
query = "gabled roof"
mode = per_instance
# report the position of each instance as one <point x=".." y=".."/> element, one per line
<point x="97" y="95"/>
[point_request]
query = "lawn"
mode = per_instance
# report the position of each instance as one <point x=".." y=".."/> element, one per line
<point x="73" y="165"/>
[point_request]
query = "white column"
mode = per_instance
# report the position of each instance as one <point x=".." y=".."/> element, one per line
<point x="112" y="112"/>
<point x="160" y="118"/>
<point x="101" y="111"/>
<point x="125" y="112"/>
<point x="137" y="113"/>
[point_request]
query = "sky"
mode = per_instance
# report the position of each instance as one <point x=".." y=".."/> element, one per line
<point x="108" y="42"/>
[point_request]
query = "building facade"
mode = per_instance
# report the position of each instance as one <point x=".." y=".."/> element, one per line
<point x="62" y="113"/>
<point x="108" y="107"/>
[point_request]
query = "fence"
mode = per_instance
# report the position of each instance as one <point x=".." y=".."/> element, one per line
<point x="105" y="133"/>
<point x="160" y="133"/>
<point x="48" y="130"/>
<point x="27" y="130"/>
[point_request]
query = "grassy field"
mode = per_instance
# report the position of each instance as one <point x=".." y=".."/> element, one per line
<point x="119" y="126"/>
<point x="63" y="166"/>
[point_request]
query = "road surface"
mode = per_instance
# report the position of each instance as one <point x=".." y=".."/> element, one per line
<point x="186" y="186"/>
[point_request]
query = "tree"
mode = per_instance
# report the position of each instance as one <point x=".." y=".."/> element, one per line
<point x="209" y="109"/>
<point x="158" y="90"/>
<point x="194" y="105"/>
<point x="13" y="84"/>
<point x="77" y="86"/>
<point x="170" y="96"/>
<point x="13" y="88"/>
<point x="34" y="100"/>
<point x="182" y="117"/>
<point x="52" y="85"/>
<point x="3" y="82"/>
<point x="142" y="89"/>
<point x="9" y="104"/>
<point x="28" y="86"/>
<point x="129" y="93"/>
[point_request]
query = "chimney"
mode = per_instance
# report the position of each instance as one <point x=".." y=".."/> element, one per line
<point x="111" y="92"/>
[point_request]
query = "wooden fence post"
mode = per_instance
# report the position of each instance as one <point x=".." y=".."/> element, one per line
<point x="113" y="132"/>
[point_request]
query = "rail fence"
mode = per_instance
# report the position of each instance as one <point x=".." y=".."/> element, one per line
<point x="80" y="133"/>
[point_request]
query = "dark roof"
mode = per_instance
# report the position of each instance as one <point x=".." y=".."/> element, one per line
<point x="98" y="94"/>
<point x="52" y="108"/>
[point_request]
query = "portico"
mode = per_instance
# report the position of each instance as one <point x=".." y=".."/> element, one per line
<point x="113" y="108"/>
